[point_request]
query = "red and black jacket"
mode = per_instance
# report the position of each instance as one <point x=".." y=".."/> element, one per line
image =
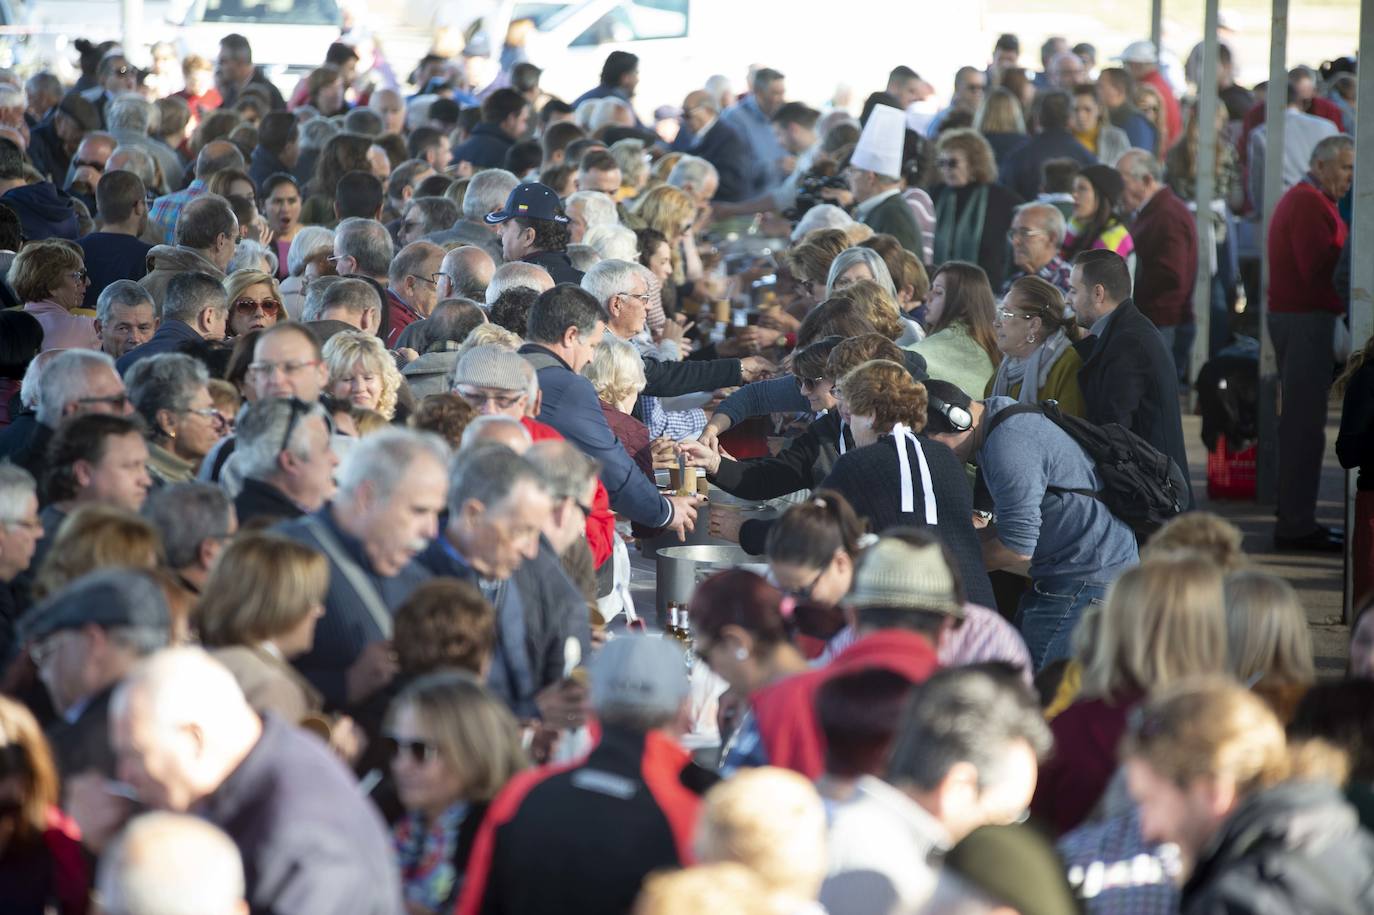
<point x="581" y="838"/>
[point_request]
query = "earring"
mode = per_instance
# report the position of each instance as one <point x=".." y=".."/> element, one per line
<point x="1031" y="338"/>
<point x="742" y="654"/>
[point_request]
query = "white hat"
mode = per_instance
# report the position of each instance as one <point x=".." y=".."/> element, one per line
<point x="880" y="145"/>
<point x="1139" y="52"/>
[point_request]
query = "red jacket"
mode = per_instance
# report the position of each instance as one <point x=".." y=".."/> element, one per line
<point x="1305" y="241"/>
<point x="786" y="710"/>
<point x="401" y="315"/>
<point x="1165" y="236"/>
<point x="1173" y="117"/>
<point x="601" y="521"/>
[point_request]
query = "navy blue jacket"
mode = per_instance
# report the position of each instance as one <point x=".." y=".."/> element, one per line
<point x="112" y="256"/>
<point x="570" y="405"/>
<point x="44" y="211"/>
<point x="170" y="337"/>
<point x="724" y="148"/>
<point x="1021" y="168"/>
<point x="46" y="151"/>
<point x="486" y="147"/>
<point x="264" y="165"/>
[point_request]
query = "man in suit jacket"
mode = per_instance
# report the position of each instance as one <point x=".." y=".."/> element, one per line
<point x="1127" y="375"/>
<point x="718" y="143"/>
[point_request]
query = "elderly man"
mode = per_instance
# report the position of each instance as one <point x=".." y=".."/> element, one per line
<point x="20" y="530"/>
<point x="1037" y="231"/>
<point x="1165" y="236"/>
<point x="464" y="273"/>
<point x="88" y="166"/>
<point x="234" y="72"/>
<point x="586" y="210"/>
<point x="970" y="85"/>
<point x="284" y="457"/>
<point x="165" y="214"/>
<point x="391" y="489"/>
<point x="534" y="229"/>
<point x="75" y="381"/>
<point x="125" y="317"/>
<point x="1305" y="241"/>
<point x="129" y="118"/>
<point x="84" y="639"/>
<point x="487" y="193"/>
<point x="312" y="843"/>
<point x="722" y="145"/>
<point x="391" y="108"/>
<point x="1067" y="71"/>
<point x="54" y="141"/>
<point x="171" y="864"/>
<point x="194" y="309"/>
<point x="698" y="178"/>
<point x="348" y="299"/>
<point x="363" y="248"/>
<point x="752" y="119"/>
<point x="566" y="324"/>
<point x="412" y="286"/>
<point x="498" y="507"/>
<point x="116" y="252"/>
<point x="195" y="520"/>
<point x="518" y="274"/>
<point x="206" y="235"/>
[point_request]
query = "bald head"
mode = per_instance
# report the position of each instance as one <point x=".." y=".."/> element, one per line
<point x="216" y="157"/>
<point x="499" y="429"/>
<point x="518" y="273"/>
<point x="467" y="272"/>
<point x="700" y="99"/>
<point x="172" y="864"/>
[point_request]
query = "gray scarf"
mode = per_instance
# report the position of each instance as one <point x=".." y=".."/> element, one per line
<point x="1037" y="365"/>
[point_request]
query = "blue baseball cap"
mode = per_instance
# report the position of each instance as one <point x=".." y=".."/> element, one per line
<point x="530" y="200"/>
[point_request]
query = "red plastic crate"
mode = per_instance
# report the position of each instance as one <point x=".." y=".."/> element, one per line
<point x="1231" y="474"/>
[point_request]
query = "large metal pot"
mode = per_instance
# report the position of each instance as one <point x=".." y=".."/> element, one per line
<point x="681" y="567"/>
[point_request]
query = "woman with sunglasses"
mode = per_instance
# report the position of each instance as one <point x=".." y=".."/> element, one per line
<point x="972" y="211"/>
<point x="813" y="547"/>
<point x="254" y="301"/>
<point x="453" y="747"/>
<point x="258" y="611"/>
<point x="742" y="633"/>
<point x="1036" y="341"/>
<point x="50" y="278"/>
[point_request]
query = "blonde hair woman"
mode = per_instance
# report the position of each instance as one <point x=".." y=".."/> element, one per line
<point x="770" y="820"/>
<point x="362" y="372"/>
<point x="617" y="375"/>
<point x="96" y="537"/>
<point x="489" y="334"/>
<point x="1269" y="645"/>
<point x="721" y="889"/>
<point x="453" y="747"/>
<point x="672" y="212"/>
<point x="254" y="301"/>
<point x="1202" y="533"/>
<point x="1161" y="622"/>
<point x="258" y="611"/>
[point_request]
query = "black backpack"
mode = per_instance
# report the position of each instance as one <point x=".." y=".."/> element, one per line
<point x="1140" y="485"/>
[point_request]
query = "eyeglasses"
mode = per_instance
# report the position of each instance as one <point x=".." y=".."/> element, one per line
<point x="299" y="408"/>
<point x="642" y="296"/>
<point x="478" y="399"/>
<point x="32" y="525"/>
<point x="1005" y="315"/>
<point x="1023" y="233"/>
<point x="803" y="593"/>
<point x="436" y="277"/>
<point x="425" y="279"/>
<point x="122" y="71"/>
<point x="81" y="276"/>
<point x="268" y="369"/>
<point x="420" y="751"/>
<point x="808" y="384"/>
<point x="211" y="413"/>
<point x="87" y="163"/>
<point x="114" y="400"/>
<point x="269" y="307"/>
<point x="948" y="163"/>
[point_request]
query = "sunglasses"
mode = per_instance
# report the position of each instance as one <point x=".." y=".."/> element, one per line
<point x="269" y="307"/>
<point x="87" y="163"/>
<point x="299" y="408"/>
<point x="420" y="751"/>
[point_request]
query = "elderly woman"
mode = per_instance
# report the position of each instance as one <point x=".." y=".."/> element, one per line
<point x="453" y="747"/>
<point x="972" y="211"/>
<point x="170" y="391"/>
<point x="50" y="278"/>
<point x="282" y="207"/>
<point x="859" y="263"/>
<point x="306" y="258"/>
<point x="617" y="375"/>
<point x="1037" y="342"/>
<point x="1096" y="194"/>
<point x="893" y="477"/>
<point x="960" y="346"/>
<point x="909" y="276"/>
<point x="254" y="301"/>
<point x="258" y="611"/>
<point x="362" y="372"/>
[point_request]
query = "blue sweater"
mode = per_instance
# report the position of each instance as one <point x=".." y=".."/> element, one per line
<point x="1067" y="535"/>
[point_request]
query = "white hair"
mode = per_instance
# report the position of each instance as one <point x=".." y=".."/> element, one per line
<point x="121" y="294"/>
<point x="866" y="256"/>
<point x="16" y="485"/>
<point x="517" y="273"/>
<point x="307" y="243"/>
<point x="692" y="170"/>
<point x="1051" y="217"/>
<point x="171" y="864"/>
<point x="133" y="159"/>
<point x="12" y="96"/>
<point x="477" y="429"/>
<point x="384" y="457"/>
<point x="252" y="255"/>
<point x="616" y="369"/>
<point x="821" y="216"/>
<point x="260" y="433"/>
<point x="596" y="113"/>
<point x="597" y="208"/>
<point x="65" y="379"/>
<point x="129" y="111"/>
<point x="610" y="278"/>
<point x="487" y="192"/>
<point x="613" y="242"/>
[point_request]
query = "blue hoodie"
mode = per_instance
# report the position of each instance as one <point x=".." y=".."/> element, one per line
<point x="44" y="211"/>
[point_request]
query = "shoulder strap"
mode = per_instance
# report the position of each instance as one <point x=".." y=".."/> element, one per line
<point x="358" y="580"/>
<point x="1050" y="410"/>
<point x="1008" y="413"/>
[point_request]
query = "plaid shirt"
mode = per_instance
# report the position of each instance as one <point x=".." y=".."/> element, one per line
<point x="167" y="208"/>
<point x="675" y="424"/>
<point x="1055" y="272"/>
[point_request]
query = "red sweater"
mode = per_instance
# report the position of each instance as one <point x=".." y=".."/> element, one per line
<point x="1305" y="241"/>
<point x="1165" y="236"/>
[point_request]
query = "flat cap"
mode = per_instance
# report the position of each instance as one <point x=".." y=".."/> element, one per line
<point x="107" y="598"/>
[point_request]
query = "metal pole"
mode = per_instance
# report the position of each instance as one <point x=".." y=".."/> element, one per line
<point x="1157" y="28"/>
<point x="1275" y="103"/>
<point x="131" y="22"/>
<point x="1361" y="268"/>
<point x="1206" y="113"/>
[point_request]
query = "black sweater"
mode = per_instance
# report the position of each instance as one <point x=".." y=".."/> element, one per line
<point x="1355" y="442"/>
<point x="801" y="465"/>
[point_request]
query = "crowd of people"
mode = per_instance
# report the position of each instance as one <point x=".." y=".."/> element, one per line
<point x="329" y="420"/>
